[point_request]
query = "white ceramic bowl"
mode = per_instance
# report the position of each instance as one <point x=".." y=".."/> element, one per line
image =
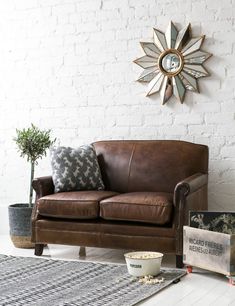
<point x="143" y="263"/>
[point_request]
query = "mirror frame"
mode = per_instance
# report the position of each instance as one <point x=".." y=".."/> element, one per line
<point x="191" y="57"/>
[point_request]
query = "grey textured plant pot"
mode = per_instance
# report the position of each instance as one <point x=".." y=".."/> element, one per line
<point x="20" y="225"/>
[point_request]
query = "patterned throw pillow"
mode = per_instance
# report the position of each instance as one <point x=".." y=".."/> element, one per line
<point x="75" y="169"/>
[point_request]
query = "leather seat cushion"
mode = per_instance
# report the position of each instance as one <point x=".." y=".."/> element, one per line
<point x="149" y="207"/>
<point x="73" y="204"/>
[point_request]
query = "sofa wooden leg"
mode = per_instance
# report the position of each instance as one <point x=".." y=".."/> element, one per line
<point x="82" y="251"/>
<point x="179" y="261"/>
<point x="38" y="249"/>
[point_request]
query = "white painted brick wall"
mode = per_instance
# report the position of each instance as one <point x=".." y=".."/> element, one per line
<point x="67" y="65"/>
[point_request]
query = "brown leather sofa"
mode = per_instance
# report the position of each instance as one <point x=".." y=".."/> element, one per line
<point x="150" y="187"/>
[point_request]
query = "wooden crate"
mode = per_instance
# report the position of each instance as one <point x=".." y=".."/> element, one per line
<point x="209" y="250"/>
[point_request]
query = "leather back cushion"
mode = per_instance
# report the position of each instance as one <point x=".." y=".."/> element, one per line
<point x="149" y="165"/>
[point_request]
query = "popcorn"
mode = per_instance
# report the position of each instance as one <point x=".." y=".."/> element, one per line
<point x="143" y="256"/>
<point x="150" y="280"/>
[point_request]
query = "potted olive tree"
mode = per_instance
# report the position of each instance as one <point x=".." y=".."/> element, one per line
<point x="32" y="143"/>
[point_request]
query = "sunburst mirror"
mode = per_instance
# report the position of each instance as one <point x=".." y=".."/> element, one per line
<point x="173" y="63"/>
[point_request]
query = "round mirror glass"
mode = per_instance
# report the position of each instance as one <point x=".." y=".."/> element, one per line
<point x="171" y="62"/>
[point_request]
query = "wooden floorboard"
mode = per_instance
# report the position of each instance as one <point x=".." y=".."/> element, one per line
<point x="200" y="288"/>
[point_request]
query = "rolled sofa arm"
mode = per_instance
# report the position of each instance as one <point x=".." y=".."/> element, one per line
<point x="43" y="186"/>
<point x="189" y="194"/>
<point x="189" y="185"/>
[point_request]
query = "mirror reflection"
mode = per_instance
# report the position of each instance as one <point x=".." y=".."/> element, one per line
<point x="171" y="62"/>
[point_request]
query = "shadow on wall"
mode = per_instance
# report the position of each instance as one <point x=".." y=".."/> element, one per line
<point x="222" y="182"/>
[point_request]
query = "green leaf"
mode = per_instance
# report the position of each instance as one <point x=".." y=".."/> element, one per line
<point x="33" y="143"/>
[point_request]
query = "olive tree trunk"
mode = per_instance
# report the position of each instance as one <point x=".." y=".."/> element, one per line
<point x="31" y="187"/>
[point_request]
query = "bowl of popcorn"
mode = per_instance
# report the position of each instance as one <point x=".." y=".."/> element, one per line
<point x="143" y="263"/>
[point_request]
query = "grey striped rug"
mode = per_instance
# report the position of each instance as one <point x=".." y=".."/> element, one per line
<point x="46" y="282"/>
